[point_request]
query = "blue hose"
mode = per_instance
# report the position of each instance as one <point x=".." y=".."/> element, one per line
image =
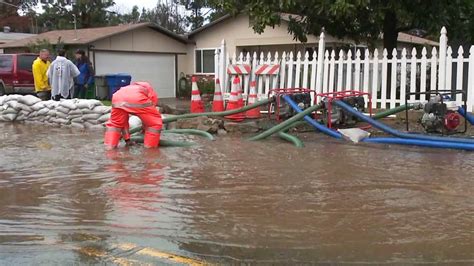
<point x="423" y="143"/>
<point x="311" y="121"/>
<point x="468" y="116"/>
<point x="395" y="132"/>
<point x="400" y="141"/>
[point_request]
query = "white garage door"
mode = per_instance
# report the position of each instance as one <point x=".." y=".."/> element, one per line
<point x="157" y="69"/>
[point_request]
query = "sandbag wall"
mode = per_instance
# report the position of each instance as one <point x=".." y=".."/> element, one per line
<point x="78" y="113"/>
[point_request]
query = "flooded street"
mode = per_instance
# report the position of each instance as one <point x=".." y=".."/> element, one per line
<point x="65" y="200"/>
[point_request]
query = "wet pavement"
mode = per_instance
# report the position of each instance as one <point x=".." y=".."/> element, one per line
<point x="64" y="200"/>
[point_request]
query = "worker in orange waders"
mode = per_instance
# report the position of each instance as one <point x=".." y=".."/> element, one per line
<point x="138" y="99"/>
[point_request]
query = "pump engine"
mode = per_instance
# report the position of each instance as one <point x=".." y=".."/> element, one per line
<point x="302" y="99"/>
<point x="333" y="115"/>
<point x="440" y="115"/>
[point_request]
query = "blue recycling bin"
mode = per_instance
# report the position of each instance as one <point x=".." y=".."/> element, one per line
<point x="117" y="81"/>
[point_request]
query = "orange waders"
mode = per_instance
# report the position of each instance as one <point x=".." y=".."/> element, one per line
<point x="138" y="99"/>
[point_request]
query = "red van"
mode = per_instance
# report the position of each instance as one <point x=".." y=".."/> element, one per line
<point x="16" y="75"/>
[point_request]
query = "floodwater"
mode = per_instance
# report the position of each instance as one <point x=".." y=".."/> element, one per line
<point x="64" y="200"/>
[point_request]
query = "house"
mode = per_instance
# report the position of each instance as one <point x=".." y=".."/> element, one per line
<point x="152" y="53"/>
<point x="145" y="51"/>
<point x="7" y="36"/>
<point x="240" y="37"/>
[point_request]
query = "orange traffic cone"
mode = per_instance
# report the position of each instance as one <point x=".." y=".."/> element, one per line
<point x="255" y="112"/>
<point x="196" y="104"/>
<point x="218" y="102"/>
<point x="236" y="101"/>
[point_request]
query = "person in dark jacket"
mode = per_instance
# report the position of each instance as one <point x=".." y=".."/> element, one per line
<point x="86" y="77"/>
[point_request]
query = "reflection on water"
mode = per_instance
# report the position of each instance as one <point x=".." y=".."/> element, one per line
<point x="63" y="200"/>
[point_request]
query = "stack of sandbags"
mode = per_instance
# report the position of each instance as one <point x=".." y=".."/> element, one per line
<point x="76" y="112"/>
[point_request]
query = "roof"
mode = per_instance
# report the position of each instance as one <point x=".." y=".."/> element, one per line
<point x="12" y="36"/>
<point x="408" y="38"/>
<point x="89" y="35"/>
<point x="402" y="37"/>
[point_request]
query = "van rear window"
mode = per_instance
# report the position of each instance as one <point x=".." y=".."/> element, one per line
<point x="6" y="63"/>
<point x="25" y="62"/>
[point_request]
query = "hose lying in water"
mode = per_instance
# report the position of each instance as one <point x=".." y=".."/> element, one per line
<point x="395" y="132"/>
<point x="468" y="116"/>
<point x="401" y="141"/>
<point x="190" y="132"/>
<point x="173" y="118"/>
<point x="285" y="124"/>
<point x="293" y="139"/>
<point x="163" y="142"/>
<point x="223" y="113"/>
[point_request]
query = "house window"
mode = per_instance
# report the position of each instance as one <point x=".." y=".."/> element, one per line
<point x="204" y="61"/>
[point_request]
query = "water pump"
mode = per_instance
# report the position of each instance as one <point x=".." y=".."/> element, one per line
<point x="440" y="115"/>
<point x="334" y="115"/>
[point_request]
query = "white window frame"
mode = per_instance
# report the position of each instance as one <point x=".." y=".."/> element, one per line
<point x="202" y="60"/>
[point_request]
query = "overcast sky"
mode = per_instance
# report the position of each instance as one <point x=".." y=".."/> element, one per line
<point x="127" y="5"/>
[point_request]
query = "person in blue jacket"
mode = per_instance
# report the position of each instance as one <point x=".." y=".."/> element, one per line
<point x="86" y="77"/>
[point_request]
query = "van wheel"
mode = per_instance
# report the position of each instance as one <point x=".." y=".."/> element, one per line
<point x="2" y="89"/>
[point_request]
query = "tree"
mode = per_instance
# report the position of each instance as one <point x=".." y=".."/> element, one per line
<point x="167" y="16"/>
<point x="91" y="13"/>
<point x="202" y="10"/>
<point x="361" y="20"/>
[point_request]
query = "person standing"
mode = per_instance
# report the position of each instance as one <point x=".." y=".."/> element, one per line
<point x="61" y="73"/>
<point x="138" y="99"/>
<point x="86" y="77"/>
<point x="40" y="68"/>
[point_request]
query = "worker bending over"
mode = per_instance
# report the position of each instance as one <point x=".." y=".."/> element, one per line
<point x="138" y="99"/>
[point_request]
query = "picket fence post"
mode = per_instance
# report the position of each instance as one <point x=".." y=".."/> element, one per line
<point x="443" y="43"/>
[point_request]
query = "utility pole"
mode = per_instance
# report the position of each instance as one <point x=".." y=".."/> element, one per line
<point x="75" y="26"/>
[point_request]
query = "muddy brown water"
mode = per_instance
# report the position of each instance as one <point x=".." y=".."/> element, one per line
<point x="64" y="200"/>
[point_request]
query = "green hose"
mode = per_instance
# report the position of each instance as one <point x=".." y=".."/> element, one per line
<point x="173" y="118"/>
<point x="190" y="132"/>
<point x="293" y="139"/>
<point x="392" y="111"/>
<point x="285" y="124"/>
<point x="223" y="113"/>
<point x="163" y="142"/>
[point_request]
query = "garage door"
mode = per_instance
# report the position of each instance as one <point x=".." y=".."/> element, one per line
<point x="157" y="69"/>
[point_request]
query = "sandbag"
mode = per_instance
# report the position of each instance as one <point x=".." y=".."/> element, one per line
<point x="38" y="106"/>
<point x="77" y="120"/>
<point x="92" y="116"/>
<point x="19" y="106"/>
<point x="51" y="104"/>
<point x="9" y="117"/>
<point x="104" y="118"/>
<point x="9" y="110"/>
<point x="134" y="121"/>
<point x="43" y="111"/>
<point x="75" y="112"/>
<point x="52" y="113"/>
<point x="77" y="125"/>
<point x="92" y="122"/>
<point x="102" y="109"/>
<point x="69" y="104"/>
<point x="88" y="104"/>
<point x="61" y="115"/>
<point x="29" y="100"/>
<point x="62" y="109"/>
<point x="61" y="121"/>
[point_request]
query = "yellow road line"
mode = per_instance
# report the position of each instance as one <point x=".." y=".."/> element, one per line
<point x="94" y="252"/>
<point x="162" y="255"/>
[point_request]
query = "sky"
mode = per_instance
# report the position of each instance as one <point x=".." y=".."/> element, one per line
<point x="127" y="5"/>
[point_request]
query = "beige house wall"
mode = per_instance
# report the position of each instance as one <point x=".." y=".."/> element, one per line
<point x="141" y="40"/>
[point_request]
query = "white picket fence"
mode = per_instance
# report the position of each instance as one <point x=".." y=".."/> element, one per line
<point x="387" y="80"/>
